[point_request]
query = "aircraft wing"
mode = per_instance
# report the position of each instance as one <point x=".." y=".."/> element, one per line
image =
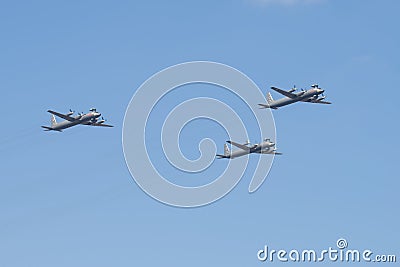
<point x="316" y="101"/>
<point x="63" y="116"/>
<point x="323" y="102"/>
<point x="100" y="124"/>
<point x="283" y="92"/>
<point x="239" y="145"/>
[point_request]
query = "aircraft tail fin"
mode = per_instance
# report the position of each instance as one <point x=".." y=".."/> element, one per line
<point x="269" y="98"/>
<point x="227" y="152"/>
<point x="53" y="120"/>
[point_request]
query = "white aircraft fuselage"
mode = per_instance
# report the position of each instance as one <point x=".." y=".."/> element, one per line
<point x="311" y="93"/>
<point x="90" y="119"/>
<point x="265" y="147"/>
<point x="80" y="119"/>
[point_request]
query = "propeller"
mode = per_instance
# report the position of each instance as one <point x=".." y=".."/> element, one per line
<point x="70" y="112"/>
<point x="302" y="92"/>
<point x="293" y="89"/>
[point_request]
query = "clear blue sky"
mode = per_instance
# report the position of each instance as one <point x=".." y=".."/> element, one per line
<point x="68" y="199"/>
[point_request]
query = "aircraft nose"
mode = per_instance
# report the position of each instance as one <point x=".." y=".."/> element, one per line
<point x="272" y="144"/>
<point x="321" y="91"/>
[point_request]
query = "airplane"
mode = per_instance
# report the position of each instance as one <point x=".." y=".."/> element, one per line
<point x="266" y="147"/>
<point x="91" y="118"/>
<point x="312" y="95"/>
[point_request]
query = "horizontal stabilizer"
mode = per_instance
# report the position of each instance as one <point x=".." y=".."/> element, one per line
<point x="47" y="128"/>
<point x="266" y="106"/>
<point x="50" y="129"/>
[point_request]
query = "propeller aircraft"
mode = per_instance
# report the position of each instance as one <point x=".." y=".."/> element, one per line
<point x="312" y="95"/>
<point x="265" y="147"/>
<point x="91" y="118"/>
